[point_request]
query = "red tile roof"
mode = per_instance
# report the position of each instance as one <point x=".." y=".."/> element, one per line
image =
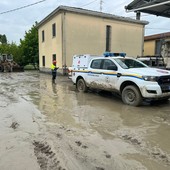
<point x="157" y="36"/>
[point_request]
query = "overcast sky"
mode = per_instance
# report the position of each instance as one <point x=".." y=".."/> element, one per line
<point x="14" y="24"/>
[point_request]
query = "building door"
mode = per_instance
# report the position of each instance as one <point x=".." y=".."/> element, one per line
<point x="43" y="61"/>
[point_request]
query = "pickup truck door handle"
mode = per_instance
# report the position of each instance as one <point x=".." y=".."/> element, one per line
<point x="119" y="74"/>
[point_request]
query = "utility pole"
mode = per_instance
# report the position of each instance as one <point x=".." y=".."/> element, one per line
<point x="101" y="5"/>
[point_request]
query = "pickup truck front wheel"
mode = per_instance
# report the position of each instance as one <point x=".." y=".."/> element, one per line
<point x="81" y="85"/>
<point x="131" y="96"/>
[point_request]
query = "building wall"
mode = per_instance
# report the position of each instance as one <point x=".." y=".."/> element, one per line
<point x="87" y="35"/>
<point x="83" y="34"/>
<point x="51" y="45"/>
<point x="149" y="47"/>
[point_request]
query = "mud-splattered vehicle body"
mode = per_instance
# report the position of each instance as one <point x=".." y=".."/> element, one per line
<point x="129" y="77"/>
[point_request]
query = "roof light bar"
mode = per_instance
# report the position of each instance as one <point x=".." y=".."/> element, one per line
<point x="110" y="54"/>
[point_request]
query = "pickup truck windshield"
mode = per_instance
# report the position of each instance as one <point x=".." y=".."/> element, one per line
<point x="127" y="63"/>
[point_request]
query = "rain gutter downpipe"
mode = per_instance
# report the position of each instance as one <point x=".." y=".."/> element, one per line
<point x="63" y="44"/>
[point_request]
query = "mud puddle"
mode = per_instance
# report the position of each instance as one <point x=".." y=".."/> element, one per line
<point x="52" y="126"/>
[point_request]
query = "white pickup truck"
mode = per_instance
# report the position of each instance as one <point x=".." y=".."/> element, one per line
<point x="131" y="78"/>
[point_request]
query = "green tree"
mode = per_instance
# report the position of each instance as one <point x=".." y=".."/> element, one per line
<point x="29" y="47"/>
<point x="27" y="52"/>
<point x="3" y="39"/>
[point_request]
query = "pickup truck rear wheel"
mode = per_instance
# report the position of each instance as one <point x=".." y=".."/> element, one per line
<point x="131" y="96"/>
<point x="81" y="85"/>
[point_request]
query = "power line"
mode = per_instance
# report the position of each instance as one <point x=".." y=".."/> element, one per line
<point x="88" y="3"/>
<point x="26" y="6"/>
<point x="119" y="5"/>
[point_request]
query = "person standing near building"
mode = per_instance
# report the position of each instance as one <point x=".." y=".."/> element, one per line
<point x="54" y="71"/>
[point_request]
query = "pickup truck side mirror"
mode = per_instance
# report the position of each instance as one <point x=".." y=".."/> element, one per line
<point x="113" y="67"/>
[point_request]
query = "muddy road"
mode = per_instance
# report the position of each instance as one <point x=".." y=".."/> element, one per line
<point x="45" y="126"/>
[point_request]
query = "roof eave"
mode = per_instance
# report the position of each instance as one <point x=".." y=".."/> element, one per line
<point x="146" y="7"/>
<point x="90" y="13"/>
<point x="48" y="17"/>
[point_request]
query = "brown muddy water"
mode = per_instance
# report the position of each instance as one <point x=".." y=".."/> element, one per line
<point x="45" y="126"/>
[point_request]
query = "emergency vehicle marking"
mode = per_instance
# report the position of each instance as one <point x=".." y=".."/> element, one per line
<point x="162" y="71"/>
<point x="87" y="68"/>
<point x="109" y="74"/>
<point x="133" y="75"/>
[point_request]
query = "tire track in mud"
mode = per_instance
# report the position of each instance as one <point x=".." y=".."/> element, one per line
<point x="74" y="150"/>
<point x="46" y="158"/>
<point x="7" y="95"/>
<point x="14" y="125"/>
<point x="154" y="152"/>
